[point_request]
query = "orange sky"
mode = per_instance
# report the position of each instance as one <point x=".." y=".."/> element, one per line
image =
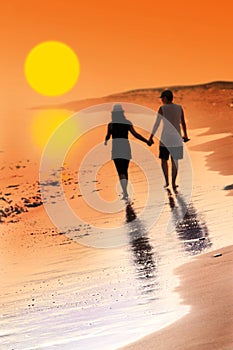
<point x="121" y="45"/>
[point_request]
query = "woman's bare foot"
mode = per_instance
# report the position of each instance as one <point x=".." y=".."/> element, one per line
<point x="174" y="186"/>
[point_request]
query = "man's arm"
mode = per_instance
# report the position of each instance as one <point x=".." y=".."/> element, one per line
<point x="183" y="124"/>
<point x="156" y="125"/>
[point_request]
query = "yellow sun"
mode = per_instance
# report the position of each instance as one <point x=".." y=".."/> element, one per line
<point x="52" y="68"/>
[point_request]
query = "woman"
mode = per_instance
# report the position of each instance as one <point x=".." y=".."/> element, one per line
<point x="121" y="151"/>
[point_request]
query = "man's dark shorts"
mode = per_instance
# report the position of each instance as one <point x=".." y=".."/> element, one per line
<point x="175" y="152"/>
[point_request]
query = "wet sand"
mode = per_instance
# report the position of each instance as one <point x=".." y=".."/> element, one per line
<point x="206" y="285"/>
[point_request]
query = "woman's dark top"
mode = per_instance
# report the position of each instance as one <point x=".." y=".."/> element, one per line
<point x="120" y="142"/>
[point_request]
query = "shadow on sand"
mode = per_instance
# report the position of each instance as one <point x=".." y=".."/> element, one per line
<point x="189" y="225"/>
<point x="143" y="255"/>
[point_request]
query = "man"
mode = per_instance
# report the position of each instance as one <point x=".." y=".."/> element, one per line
<point x="171" y="143"/>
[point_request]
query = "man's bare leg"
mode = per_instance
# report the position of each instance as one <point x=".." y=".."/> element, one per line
<point x="164" y="165"/>
<point x="174" y="172"/>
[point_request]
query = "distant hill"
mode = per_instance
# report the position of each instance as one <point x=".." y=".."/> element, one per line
<point x="148" y="97"/>
<point x="206" y="105"/>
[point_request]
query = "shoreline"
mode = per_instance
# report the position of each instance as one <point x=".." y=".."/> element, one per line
<point x="206" y="285"/>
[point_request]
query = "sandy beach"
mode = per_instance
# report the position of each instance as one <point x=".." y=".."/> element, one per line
<point x="62" y="289"/>
<point x="83" y="266"/>
<point x="206" y="285"/>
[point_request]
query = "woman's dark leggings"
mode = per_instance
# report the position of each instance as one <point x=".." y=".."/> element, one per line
<point x="122" y="167"/>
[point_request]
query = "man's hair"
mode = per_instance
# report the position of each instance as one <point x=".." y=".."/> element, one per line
<point x="168" y="94"/>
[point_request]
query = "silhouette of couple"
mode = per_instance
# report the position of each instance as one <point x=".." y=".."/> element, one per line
<point x="171" y="143"/>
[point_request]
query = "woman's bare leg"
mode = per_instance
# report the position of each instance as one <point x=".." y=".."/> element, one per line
<point x="124" y="184"/>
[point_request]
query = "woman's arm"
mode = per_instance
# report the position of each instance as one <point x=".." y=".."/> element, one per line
<point x="138" y="136"/>
<point x="109" y="133"/>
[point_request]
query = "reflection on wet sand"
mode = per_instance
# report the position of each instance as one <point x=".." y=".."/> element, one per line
<point x="143" y="254"/>
<point x="189" y="225"/>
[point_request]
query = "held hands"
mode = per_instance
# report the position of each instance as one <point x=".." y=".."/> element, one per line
<point x="150" y="141"/>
